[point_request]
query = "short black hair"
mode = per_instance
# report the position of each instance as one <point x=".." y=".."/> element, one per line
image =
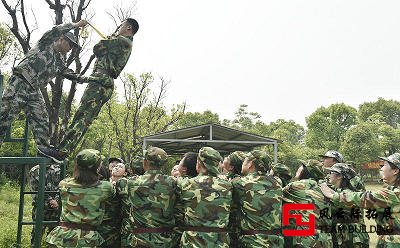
<point x="189" y="162"/>
<point x="134" y="24"/>
<point x="305" y="174"/>
<point x="104" y="173"/>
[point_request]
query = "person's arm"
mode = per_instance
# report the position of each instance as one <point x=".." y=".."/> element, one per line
<point x="178" y="213"/>
<point x="55" y="33"/>
<point x="73" y="76"/>
<point x="235" y="204"/>
<point x="380" y="199"/>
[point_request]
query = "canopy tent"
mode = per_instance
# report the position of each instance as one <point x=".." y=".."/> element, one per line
<point x="221" y="138"/>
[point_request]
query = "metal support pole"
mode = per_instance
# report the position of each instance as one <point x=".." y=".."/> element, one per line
<point x="144" y="145"/>
<point x="26" y="138"/>
<point x="21" y="206"/>
<point x="23" y="183"/>
<point x="40" y="206"/>
<point x="276" y="152"/>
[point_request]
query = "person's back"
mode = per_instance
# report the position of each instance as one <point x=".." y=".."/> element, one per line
<point x="259" y="200"/>
<point x="152" y="196"/>
<point x="305" y="191"/>
<point x="206" y="202"/>
<point x="152" y="199"/>
<point x="82" y="206"/>
<point x="80" y="200"/>
<point x="112" y="55"/>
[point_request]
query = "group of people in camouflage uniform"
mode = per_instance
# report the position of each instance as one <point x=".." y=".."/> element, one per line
<point x="213" y="201"/>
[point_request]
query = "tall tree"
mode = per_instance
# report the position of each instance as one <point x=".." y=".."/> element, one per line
<point x="361" y="143"/>
<point x="244" y="119"/>
<point x="327" y="126"/>
<point x="190" y="119"/>
<point x="389" y="110"/>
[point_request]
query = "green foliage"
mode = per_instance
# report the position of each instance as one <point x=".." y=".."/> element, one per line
<point x="9" y="48"/>
<point x="327" y="126"/>
<point x="244" y="120"/>
<point x="386" y="110"/>
<point x="361" y="143"/>
<point x="190" y="119"/>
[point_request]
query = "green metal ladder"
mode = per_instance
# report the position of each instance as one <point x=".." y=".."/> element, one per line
<point x="25" y="161"/>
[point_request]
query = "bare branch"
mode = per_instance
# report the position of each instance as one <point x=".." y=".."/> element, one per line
<point x="28" y="32"/>
<point x="113" y="18"/>
<point x="122" y="12"/>
<point x="15" y="28"/>
<point x="35" y="27"/>
<point x="51" y="4"/>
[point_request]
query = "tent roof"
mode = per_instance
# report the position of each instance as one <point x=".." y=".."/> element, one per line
<point x="221" y="138"/>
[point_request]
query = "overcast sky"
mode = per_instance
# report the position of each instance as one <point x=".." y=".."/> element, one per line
<point x="282" y="58"/>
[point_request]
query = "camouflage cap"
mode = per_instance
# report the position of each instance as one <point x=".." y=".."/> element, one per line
<point x="210" y="159"/>
<point x="261" y="159"/>
<point x="236" y="159"/>
<point x="156" y="156"/>
<point x="136" y="165"/>
<point x="72" y="39"/>
<point x="112" y="159"/>
<point x="333" y="154"/>
<point x="89" y="158"/>
<point x="343" y="169"/>
<point x="281" y="170"/>
<point x="314" y="167"/>
<point x="393" y="159"/>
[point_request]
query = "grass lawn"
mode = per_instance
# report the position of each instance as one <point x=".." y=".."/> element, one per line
<point x="9" y="202"/>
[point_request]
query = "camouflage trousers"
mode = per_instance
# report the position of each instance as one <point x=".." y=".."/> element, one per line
<point x="93" y="99"/>
<point x="20" y="95"/>
<point x="111" y="234"/>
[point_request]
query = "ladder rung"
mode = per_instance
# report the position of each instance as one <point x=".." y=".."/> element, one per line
<point x="44" y="222"/>
<point x="25" y="160"/>
<point x="35" y="192"/>
<point x="14" y="140"/>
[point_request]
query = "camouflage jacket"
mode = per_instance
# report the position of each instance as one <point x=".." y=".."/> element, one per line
<point x="386" y="202"/>
<point x="123" y="194"/>
<point x="110" y="228"/>
<point x="42" y="63"/>
<point x="112" y="55"/>
<point x="150" y="199"/>
<point x="81" y="205"/>
<point x="259" y="200"/>
<point x="307" y="191"/>
<point x="52" y="179"/>
<point x="205" y="202"/>
<point x="345" y="217"/>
